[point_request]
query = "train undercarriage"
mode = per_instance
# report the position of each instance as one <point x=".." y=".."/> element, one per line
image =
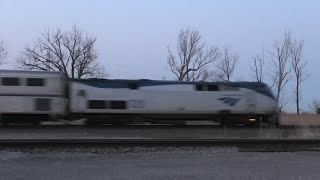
<point x="123" y="119"/>
<point x="176" y="119"/>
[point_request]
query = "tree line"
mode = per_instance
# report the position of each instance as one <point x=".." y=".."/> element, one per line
<point x="73" y="53"/>
<point x="194" y="60"/>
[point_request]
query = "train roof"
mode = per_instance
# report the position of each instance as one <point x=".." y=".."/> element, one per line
<point x="149" y="82"/>
<point x="124" y="83"/>
<point x="30" y="73"/>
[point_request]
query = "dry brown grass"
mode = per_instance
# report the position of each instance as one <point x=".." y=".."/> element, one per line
<point x="303" y="119"/>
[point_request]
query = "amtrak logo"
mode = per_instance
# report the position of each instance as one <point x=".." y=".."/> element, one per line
<point x="229" y="100"/>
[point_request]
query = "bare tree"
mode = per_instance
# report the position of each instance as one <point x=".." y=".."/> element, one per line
<point x="257" y="67"/>
<point x="71" y="53"/>
<point x="226" y="65"/>
<point x="3" y="51"/>
<point x="280" y="74"/>
<point x="190" y="61"/>
<point x="298" y="66"/>
<point x="315" y="106"/>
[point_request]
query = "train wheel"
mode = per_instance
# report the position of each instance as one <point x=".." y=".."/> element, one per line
<point x="273" y="121"/>
<point x="118" y="123"/>
<point x="180" y="123"/>
<point x="255" y="124"/>
<point x="5" y="123"/>
<point x="36" y="123"/>
<point x="226" y="123"/>
<point x="91" y="123"/>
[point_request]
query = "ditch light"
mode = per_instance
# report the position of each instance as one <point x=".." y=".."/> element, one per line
<point x="252" y="119"/>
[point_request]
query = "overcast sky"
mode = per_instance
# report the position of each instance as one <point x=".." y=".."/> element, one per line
<point x="133" y="35"/>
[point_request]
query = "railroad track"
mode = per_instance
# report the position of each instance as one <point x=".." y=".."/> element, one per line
<point x="128" y="126"/>
<point x="243" y="145"/>
<point x="162" y="126"/>
<point x="315" y="142"/>
<point x="139" y="135"/>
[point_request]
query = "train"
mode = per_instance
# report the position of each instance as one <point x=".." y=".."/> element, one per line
<point x="36" y="96"/>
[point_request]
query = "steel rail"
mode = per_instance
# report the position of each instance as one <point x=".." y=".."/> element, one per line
<point x="157" y="127"/>
<point x="315" y="142"/>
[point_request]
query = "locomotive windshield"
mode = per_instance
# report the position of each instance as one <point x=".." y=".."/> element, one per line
<point x="263" y="89"/>
<point x="259" y="87"/>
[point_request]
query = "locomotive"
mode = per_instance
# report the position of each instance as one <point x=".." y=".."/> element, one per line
<point x="35" y="96"/>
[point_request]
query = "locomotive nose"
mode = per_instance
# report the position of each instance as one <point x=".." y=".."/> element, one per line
<point x="275" y="107"/>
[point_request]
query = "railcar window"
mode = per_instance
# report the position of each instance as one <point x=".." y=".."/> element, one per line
<point x="118" y="104"/>
<point x="35" y="82"/>
<point x="96" y="104"/>
<point x="133" y="86"/>
<point x="9" y="81"/>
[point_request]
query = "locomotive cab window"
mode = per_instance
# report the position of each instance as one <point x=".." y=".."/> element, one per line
<point x="35" y="82"/>
<point x="213" y="88"/>
<point x="199" y="87"/>
<point x="259" y="87"/>
<point x="133" y="86"/>
<point x="10" y="81"/>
